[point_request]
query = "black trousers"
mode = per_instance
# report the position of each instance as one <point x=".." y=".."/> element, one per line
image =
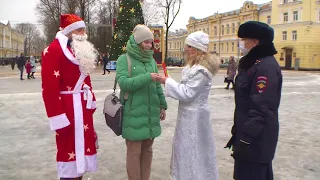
<point x="232" y="82"/>
<point x="104" y="68"/>
<point x="252" y="171"/>
<point x="21" y="72"/>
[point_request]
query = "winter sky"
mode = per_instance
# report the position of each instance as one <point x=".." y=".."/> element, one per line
<point x="18" y="11"/>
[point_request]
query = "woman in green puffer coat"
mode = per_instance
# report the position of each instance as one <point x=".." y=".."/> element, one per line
<point x="146" y="103"/>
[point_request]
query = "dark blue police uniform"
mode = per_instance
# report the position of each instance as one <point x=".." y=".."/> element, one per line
<point x="257" y="98"/>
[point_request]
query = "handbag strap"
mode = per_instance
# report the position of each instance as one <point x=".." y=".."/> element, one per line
<point x="126" y="95"/>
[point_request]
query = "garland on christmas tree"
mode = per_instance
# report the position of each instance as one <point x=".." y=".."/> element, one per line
<point x="130" y="14"/>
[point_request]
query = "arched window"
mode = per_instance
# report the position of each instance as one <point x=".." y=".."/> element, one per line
<point x="233" y="29"/>
<point x="222" y="30"/>
<point x="228" y="29"/>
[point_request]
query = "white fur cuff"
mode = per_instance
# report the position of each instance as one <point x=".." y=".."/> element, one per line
<point x="59" y="122"/>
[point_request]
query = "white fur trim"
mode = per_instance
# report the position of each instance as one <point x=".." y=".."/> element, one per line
<point x="73" y="26"/>
<point x="63" y="41"/>
<point x="94" y="105"/>
<point x="58" y="122"/>
<point x="168" y="86"/>
<point x="69" y="169"/>
<point x="79" y="133"/>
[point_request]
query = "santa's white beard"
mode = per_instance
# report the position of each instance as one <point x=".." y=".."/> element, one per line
<point x="85" y="52"/>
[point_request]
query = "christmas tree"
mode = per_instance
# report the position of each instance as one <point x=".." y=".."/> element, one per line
<point x="130" y="14"/>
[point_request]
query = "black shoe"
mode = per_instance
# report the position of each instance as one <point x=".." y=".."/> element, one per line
<point x="104" y="74"/>
<point x="21" y="79"/>
<point x="109" y="72"/>
<point x="226" y="88"/>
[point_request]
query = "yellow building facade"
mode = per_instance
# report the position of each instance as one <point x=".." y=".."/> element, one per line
<point x="222" y="29"/>
<point x="296" y="24"/>
<point x="176" y="44"/>
<point x="11" y="42"/>
<point x="297" y="28"/>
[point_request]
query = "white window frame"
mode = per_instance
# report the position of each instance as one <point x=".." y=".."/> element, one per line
<point x="294" y="35"/>
<point x="285" y="17"/>
<point x="295" y="17"/>
<point x="284" y="35"/>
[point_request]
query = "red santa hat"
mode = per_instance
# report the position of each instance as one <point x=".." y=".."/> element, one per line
<point x="70" y="22"/>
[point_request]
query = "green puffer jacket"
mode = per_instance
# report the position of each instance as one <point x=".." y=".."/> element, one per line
<point x="141" y="118"/>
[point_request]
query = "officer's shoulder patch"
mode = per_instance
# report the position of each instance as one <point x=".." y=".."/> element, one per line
<point x="261" y="84"/>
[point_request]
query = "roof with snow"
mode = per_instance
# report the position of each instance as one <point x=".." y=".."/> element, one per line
<point x="5" y="22"/>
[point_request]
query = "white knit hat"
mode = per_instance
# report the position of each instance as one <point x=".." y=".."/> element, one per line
<point x="199" y="40"/>
<point x="141" y="33"/>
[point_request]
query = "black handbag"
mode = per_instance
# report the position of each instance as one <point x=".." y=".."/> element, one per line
<point x="226" y="79"/>
<point x="113" y="109"/>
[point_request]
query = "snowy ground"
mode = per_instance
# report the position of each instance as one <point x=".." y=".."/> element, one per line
<point x="27" y="147"/>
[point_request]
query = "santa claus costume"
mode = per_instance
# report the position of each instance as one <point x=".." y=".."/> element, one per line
<point x="69" y="102"/>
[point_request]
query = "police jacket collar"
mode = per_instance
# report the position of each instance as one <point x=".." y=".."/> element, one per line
<point x="255" y="54"/>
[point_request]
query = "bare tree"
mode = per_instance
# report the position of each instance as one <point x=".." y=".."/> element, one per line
<point x="170" y="10"/>
<point x="84" y="9"/>
<point x="71" y="6"/>
<point x="39" y="43"/>
<point x="49" y="13"/>
<point x="31" y="34"/>
<point x="91" y="11"/>
<point x="150" y="12"/>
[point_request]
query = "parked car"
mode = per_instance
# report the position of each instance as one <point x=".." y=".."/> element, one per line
<point x="224" y="65"/>
<point x="175" y="62"/>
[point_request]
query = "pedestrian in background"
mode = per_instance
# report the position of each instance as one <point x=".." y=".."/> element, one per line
<point x="231" y="72"/>
<point x="105" y="61"/>
<point x="33" y="65"/>
<point x="28" y="68"/>
<point x="13" y="62"/>
<point x="21" y="63"/>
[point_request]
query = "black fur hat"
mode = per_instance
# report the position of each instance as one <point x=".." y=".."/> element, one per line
<point x="256" y="30"/>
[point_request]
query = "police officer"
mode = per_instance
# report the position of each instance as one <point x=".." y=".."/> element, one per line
<point x="257" y="98"/>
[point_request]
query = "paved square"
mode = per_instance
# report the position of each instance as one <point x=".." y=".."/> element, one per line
<point x="27" y="147"/>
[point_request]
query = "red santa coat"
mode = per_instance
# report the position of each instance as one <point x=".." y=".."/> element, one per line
<point x="70" y="104"/>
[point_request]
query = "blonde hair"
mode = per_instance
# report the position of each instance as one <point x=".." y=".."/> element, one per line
<point x="197" y="57"/>
<point x="211" y="62"/>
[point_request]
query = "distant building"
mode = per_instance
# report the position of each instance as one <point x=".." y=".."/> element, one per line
<point x="11" y="42"/>
<point x="176" y="43"/>
<point x="296" y="24"/>
<point x="297" y="28"/>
